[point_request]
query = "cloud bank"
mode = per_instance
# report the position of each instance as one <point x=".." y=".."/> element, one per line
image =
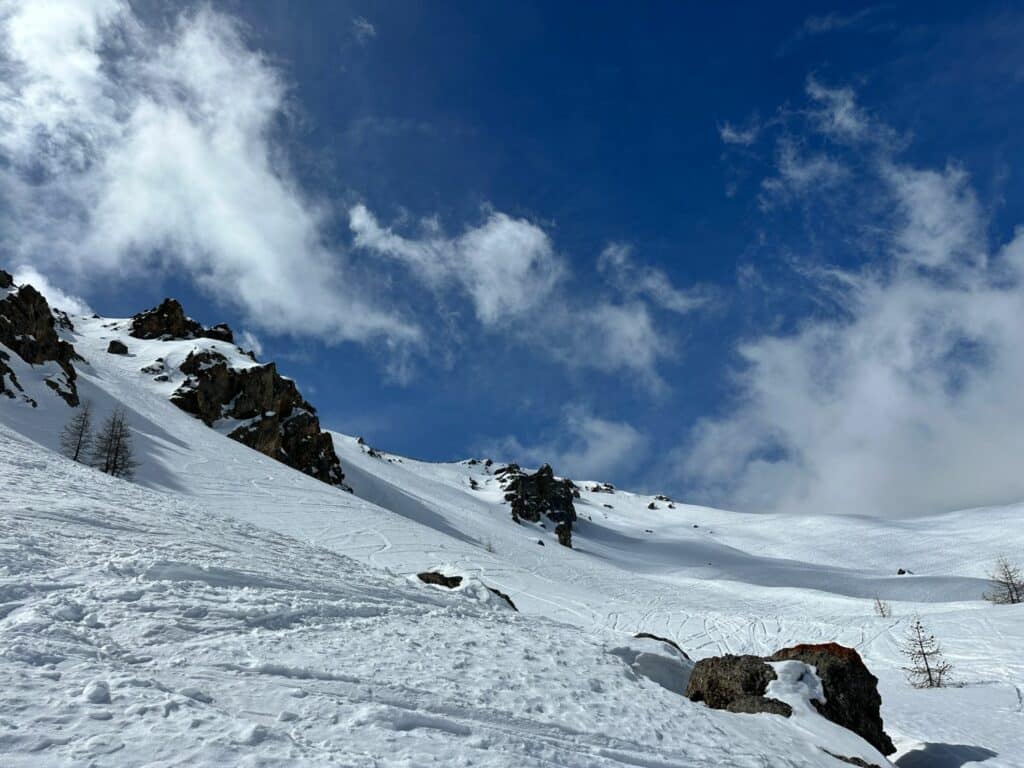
<point x="905" y="399"/>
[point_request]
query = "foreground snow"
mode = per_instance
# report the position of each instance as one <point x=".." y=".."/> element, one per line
<point x="249" y="582"/>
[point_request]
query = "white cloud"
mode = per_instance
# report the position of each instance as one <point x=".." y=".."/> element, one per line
<point x="907" y="400"/>
<point x="126" y="152"/>
<point x="617" y="264"/>
<point x="731" y="134"/>
<point x="248" y="341"/>
<point x="799" y="173"/>
<point x="363" y="29"/>
<point x="506" y="266"/>
<point x="55" y="297"/>
<point x="588" y="448"/>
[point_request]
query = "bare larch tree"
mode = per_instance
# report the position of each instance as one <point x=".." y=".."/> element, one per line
<point x="882" y="608"/>
<point x="928" y="668"/>
<point x="1007" y="583"/>
<point x="112" y="450"/>
<point x="76" y="437"/>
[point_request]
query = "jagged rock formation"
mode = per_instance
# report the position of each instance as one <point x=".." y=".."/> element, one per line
<point x="170" y="321"/>
<point x="540" y="494"/>
<point x="273" y="417"/>
<point x="28" y="329"/>
<point x="117" y="347"/>
<point x="739" y="683"/>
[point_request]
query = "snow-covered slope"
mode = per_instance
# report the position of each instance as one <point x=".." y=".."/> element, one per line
<point x="714" y="581"/>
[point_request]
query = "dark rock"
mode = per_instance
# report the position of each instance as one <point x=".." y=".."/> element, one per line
<point x="608" y="505"/>
<point x="602" y="488"/>
<point x="538" y="494"/>
<point x="673" y="643"/>
<point x="117" y="348"/>
<point x="28" y="329"/>
<point x="279" y="423"/>
<point x="564" y="533"/>
<point x="652" y="505"/>
<point x="540" y="542"/>
<point x="488" y="463"/>
<point x="735" y="684"/>
<point x="904" y="572"/>
<point x="433" y="577"/>
<point x="504" y="597"/>
<point x="167" y="319"/>
<point x="851" y="691"/>
<point x="6" y="280"/>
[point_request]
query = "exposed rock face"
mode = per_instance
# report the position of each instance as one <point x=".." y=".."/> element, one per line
<point x="735" y="684"/>
<point x="538" y="494"/>
<point x="169" y="320"/>
<point x="275" y="419"/>
<point x="117" y="348"/>
<point x="738" y="684"/>
<point x="564" y="533"/>
<point x="851" y="691"/>
<point x="28" y="329"/>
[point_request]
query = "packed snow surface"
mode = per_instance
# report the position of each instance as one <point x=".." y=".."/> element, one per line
<point x="225" y="609"/>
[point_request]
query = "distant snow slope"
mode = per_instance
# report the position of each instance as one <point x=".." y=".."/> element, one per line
<point x="714" y="581"/>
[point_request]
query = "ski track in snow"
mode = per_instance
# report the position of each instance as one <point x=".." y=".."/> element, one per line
<point x="237" y="612"/>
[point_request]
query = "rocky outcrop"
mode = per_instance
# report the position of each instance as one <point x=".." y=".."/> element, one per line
<point x="168" y="320"/>
<point x="273" y="418"/>
<point x="851" y="691"/>
<point x="28" y="329"/>
<point x="735" y="684"/>
<point x="739" y="683"/>
<point x="117" y="348"/>
<point x="538" y="494"/>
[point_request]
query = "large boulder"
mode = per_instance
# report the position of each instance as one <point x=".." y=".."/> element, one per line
<point x="735" y="684"/>
<point x="28" y="329"/>
<point x="851" y="691"/>
<point x="739" y="684"/>
<point x="273" y="417"/>
<point x="117" y="347"/>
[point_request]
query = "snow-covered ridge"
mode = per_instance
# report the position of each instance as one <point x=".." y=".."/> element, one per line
<point x="714" y="581"/>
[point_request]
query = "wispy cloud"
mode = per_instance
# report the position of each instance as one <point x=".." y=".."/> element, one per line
<point x="127" y="151"/>
<point x="742" y="136"/>
<point x="904" y="400"/>
<point x="617" y="264"/>
<point x="363" y="29"/>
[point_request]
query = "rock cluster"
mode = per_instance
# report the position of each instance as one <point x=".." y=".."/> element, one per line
<point x="540" y="494"/>
<point x="273" y="417"/>
<point x="739" y="683"/>
<point x="28" y="329"/>
<point x="168" y="320"/>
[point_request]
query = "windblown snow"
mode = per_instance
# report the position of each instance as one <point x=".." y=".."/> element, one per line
<point x="224" y="609"/>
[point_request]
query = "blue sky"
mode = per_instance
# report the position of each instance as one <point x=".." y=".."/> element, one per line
<point x="744" y="254"/>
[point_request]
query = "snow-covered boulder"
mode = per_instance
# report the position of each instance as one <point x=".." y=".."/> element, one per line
<point x="851" y="691"/>
<point x="848" y="695"/>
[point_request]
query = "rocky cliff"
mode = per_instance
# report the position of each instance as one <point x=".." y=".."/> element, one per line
<point x="29" y="330"/>
<point x="263" y="410"/>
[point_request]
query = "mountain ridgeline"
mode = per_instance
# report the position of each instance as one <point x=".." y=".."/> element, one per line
<point x="261" y="408"/>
